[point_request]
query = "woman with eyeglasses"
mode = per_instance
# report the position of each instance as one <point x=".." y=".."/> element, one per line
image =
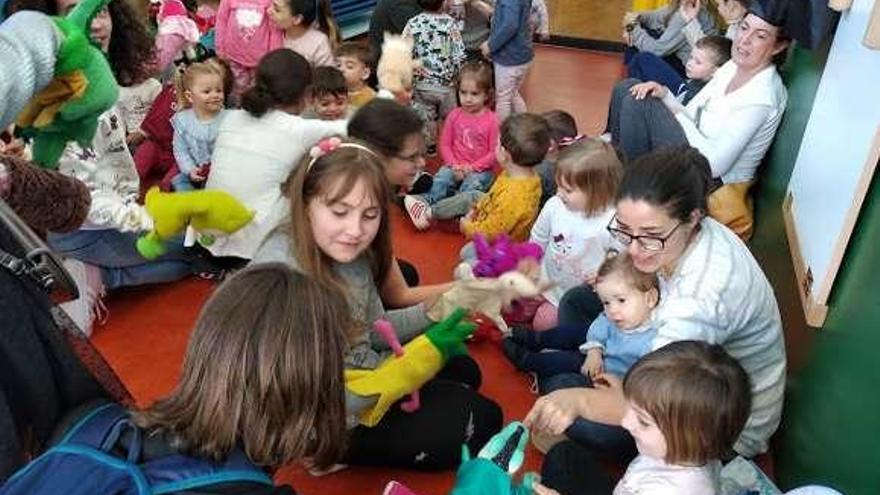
<point x="732" y="120"/>
<point x="711" y="289"/>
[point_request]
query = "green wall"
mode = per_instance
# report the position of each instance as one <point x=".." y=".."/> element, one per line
<point x="830" y="432"/>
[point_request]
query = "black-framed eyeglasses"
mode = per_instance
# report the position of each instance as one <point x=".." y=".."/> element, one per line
<point x="647" y="242"/>
<point x="414" y="158"/>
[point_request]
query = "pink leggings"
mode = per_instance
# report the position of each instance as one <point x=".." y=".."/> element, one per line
<point x="540" y="313"/>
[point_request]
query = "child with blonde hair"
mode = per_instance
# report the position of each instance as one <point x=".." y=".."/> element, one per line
<point x="200" y="95"/>
<point x="571" y="225"/>
<point x="309" y="28"/>
<point x="686" y="405"/>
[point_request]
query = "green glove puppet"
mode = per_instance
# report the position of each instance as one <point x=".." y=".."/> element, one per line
<point x="491" y="472"/>
<point x="406" y="372"/>
<point x="204" y="210"/>
<point x="83" y="88"/>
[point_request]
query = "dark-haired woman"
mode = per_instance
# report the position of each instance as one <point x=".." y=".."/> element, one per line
<point x="258" y="146"/>
<point x="732" y="120"/>
<point x="711" y="289"/>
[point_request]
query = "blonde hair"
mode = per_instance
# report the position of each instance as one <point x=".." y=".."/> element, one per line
<point x="593" y="167"/>
<point x="263" y="371"/>
<point x="184" y="80"/>
<point x="698" y="395"/>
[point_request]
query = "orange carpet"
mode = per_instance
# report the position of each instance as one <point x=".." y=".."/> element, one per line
<point x="147" y="330"/>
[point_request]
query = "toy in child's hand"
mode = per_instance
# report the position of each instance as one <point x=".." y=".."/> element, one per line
<point x="396" y="66"/>
<point x="491" y="472"/>
<point x="384" y="328"/>
<point x="485" y="295"/>
<point x="502" y="255"/>
<point x="203" y="210"/>
<point x="422" y="358"/>
<point x="83" y="88"/>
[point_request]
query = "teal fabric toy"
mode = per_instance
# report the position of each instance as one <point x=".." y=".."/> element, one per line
<point x="492" y="471"/>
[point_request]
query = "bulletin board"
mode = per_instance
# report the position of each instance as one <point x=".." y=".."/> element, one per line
<point x="835" y="163"/>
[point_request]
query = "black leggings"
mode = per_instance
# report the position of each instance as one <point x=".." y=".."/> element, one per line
<point x="452" y="414"/>
<point x="572" y="469"/>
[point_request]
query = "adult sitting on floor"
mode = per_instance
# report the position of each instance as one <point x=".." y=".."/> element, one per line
<point x="732" y="120"/>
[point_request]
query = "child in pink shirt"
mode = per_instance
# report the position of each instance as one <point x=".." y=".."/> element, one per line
<point x="243" y="34"/>
<point x="467" y="145"/>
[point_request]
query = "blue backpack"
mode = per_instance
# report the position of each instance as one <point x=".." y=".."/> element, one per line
<point x="83" y="462"/>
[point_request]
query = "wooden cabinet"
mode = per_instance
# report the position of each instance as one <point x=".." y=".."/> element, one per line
<point x="587" y="19"/>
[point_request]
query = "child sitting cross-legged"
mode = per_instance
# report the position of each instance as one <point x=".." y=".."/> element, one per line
<point x="615" y="340"/>
<point x="467" y="146"/>
<point x="328" y="94"/>
<point x="354" y="60"/>
<point x="511" y="205"/>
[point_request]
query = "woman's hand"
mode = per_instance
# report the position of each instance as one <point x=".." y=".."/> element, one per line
<point x="651" y="88"/>
<point x="539" y="489"/>
<point x="689" y="9"/>
<point x="556" y="411"/>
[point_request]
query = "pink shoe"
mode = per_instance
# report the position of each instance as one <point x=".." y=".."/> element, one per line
<point x="419" y="211"/>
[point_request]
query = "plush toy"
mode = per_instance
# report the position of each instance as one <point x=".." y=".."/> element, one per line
<point x="420" y="361"/>
<point x="204" y="210"/>
<point x="83" y="88"/>
<point x="502" y="255"/>
<point x="396" y="67"/>
<point x="384" y="328"/>
<point x="485" y="295"/>
<point x="491" y="472"/>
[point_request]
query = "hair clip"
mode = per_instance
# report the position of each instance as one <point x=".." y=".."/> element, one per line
<point x="568" y="141"/>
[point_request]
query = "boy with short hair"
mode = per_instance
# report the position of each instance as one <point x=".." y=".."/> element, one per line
<point x="328" y="94"/>
<point x="709" y="53"/>
<point x="355" y="61"/>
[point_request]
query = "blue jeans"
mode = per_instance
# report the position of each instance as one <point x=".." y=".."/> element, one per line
<point x="553" y="351"/>
<point x="445" y="184"/>
<point x="579" y="306"/>
<point x="610" y="441"/>
<point x="181" y="182"/>
<point x="116" y="254"/>
<point x="649" y="67"/>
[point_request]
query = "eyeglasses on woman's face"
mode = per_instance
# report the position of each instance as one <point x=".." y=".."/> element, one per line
<point x="653" y="243"/>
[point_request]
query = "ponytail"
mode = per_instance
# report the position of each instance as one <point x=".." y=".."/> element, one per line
<point x="257" y="100"/>
<point x="282" y="78"/>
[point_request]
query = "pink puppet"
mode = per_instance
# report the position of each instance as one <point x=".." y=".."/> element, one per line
<point x="502" y="256"/>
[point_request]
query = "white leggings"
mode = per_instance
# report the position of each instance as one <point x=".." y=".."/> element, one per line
<point x="508" y="80"/>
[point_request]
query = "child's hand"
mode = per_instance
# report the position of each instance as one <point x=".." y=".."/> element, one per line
<point x="539" y="489"/>
<point x="200" y="173"/>
<point x="593" y="366"/>
<point x="689" y="9"/>
<point x="651" y="88"/>
<point x="626" y="37"/>
<point x="135" y="138"/>
<point x="484" y="49"/>
<point x="591" y="279"/>
<point x="459" y="172"/>
<point x="630" y="18"/>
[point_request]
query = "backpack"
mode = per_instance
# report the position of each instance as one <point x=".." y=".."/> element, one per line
<point x="84" y="462"/>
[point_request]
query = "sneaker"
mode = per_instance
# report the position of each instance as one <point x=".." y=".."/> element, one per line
<point x="419" y="211"/>
<point x="89" y="306"/>
<point x="605" y="137"/>
<point x="545" y="441"/>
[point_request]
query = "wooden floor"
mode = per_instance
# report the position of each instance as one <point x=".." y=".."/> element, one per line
<point x="147" y="330"/>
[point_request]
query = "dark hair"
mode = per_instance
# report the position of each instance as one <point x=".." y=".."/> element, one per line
<point x="310" y="10"/>
<point x="675" y="178"/>
<point x="481" y="72"/>
<point x="778" y="20"/>
<point x="621" y="264"/>
<point x="327" y="81"/>
<point x="264" y="371"/>
<point x="592" y="166"/>
<point x="330" y="178"/>
<point x="526" y="136"/>
<point x="282" y="78"/>
<point x="717" y="46"/>
<point x="562" y="124"/>
<point x="384" y="125"/>
<point x="698" y="395"/>
<point x="431" y="5"/>
<point x="356" y="50"/>
<point x="132" y="49"/>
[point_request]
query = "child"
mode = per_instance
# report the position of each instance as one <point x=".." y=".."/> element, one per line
<point x="467" y="145"/>
<point x="201" y="100"/>
<point x="563" y="131"/>
<point x="616" y="339"/>
<point x="297" y="19"/>
<point x="437" y="44"/>
<point x="571" y="226"/>
<point x="328" y="94"/>
<point x="686" y="404"/>
<point x="511" y="205"/>
<point x="243" y="34"/>
<point x="354" y="60"/>
<point x="259" y="145"/>
<point x="510" y="48"/>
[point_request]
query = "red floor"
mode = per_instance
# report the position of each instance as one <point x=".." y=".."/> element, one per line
<point x="146" y="334"/>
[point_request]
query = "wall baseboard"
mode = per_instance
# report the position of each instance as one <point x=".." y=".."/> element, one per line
<point x="585" y="44"/>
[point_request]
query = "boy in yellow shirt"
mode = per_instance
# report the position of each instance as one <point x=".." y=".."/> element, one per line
<point x="354" y="60"/>
<point x="512" y="203"/>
